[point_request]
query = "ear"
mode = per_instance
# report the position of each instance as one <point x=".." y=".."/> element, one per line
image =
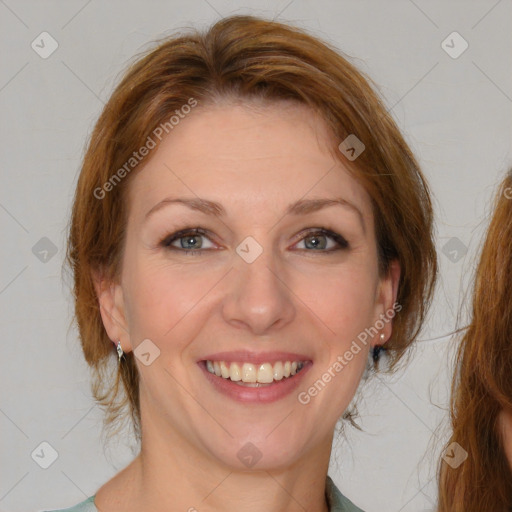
<point x="112" y="309"/>
<point x="386" y="299"/>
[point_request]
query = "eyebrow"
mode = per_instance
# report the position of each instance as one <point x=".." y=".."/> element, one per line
<point x="300" y="207"/>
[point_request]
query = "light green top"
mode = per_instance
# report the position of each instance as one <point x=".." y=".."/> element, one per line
<point x="337" y="502"/>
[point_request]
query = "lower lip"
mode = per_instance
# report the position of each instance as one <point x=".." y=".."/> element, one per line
<point x="266" y="394"/>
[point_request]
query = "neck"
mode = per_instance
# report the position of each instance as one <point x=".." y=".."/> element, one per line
<point x="177" y="479"/>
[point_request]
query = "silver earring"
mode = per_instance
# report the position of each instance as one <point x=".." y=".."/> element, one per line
<point x="119" y="350"/>
<point x="378" y="349"/>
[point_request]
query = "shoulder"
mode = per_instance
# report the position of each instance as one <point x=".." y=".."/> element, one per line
<point x="84" y="506"/>
<point x="338" y="502"/>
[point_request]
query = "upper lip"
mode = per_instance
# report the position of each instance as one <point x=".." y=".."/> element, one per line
<point x="246" y="356"/>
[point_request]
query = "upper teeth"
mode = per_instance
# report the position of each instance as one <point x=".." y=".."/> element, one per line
<point x="249" y="372"/>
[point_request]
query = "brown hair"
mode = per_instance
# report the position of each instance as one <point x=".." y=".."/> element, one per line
<point x="482" y="382"/>
<point x="245" y="58"/>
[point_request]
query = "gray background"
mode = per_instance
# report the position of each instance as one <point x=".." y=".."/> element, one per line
<point x="455" y="113"/>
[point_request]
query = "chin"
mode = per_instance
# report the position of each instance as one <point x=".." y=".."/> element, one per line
<point x="255" y="452"/>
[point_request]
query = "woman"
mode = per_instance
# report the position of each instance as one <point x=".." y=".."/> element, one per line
<point x="481" y="402"/>
<point x="249" y="227"/>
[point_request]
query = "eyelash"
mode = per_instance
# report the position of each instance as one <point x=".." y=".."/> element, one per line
<point x="168" y="240"/>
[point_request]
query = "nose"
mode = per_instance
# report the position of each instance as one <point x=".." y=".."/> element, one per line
<point x="258" y="297"/>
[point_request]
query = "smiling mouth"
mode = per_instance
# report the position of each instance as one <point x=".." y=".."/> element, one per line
<point x="254" y="375"/>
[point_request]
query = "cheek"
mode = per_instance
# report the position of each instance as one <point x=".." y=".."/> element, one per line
<point x="343" y="299"/>
<point x="345" y="303"/>
<point x="161" y="296"/>
<point x="165" y="297"/>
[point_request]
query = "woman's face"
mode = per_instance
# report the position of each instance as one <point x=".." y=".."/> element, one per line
<point x="259" y="286"/>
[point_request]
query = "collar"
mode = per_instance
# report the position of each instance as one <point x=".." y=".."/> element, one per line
<point x="335" y="500"/>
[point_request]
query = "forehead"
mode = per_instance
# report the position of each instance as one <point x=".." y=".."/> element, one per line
<point x="247" y="156"/>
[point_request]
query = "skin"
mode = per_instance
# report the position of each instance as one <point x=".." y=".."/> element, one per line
<point x="254" y="161"/>
<point x="505" y="429"/>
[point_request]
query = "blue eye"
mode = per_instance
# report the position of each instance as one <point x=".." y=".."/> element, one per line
<point x="317" y="237"/>
<point x="190" y="241"/>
